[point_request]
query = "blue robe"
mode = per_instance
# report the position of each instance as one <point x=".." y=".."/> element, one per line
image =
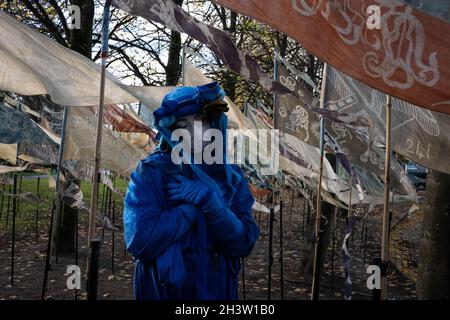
<point x="179" y="253"/>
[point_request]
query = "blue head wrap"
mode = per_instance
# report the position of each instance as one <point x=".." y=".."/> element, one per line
<point x="185" y="101"/>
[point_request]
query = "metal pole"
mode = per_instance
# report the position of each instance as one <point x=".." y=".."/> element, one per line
<point x="292" y="203"/>
<point x="362" y="233"/>
<point x="281" y="252"/>
<point x="350" y="211"/>
<point x="244" y="291"/>
<point x="365" y="240"/>
<point x="316" y="268"/>
<point x="13" y="240"/>
<point x="305" y="207"/>
<point x="113" y="247"/>
<point x="47" y="257"/>
<point x="3" y="199"/>
<point x="76" y="248"/>
<point x="92" y="277"/>
<point x="37" y="207"/>
<point x="387" y="187"/>
<point x="271" y="219"/>
<point x="336" y="210"/>
<point x="391" y="215"/>
<point x="8" y="205"/>
<point x="19" y="192"/>
<point x="104" y="207"/>
<point x="54" y="232"/>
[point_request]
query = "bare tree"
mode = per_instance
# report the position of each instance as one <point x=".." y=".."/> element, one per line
<point x="433" y="276"/>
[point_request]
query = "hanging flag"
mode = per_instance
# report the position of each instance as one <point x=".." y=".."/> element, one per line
<point x="26" y="196"/>
<point x="8" y="152"/>
<point x="346" y="257"/>
<point x="8" y="169"/>
<point x="172" y="16"/>
<point x="4" y="179"/>
<point x="418" y="134"/>
<point x="406" y="57"/>
<point x="33" y="64"/>
<point x="118" y="155"/>
<point x="296" y="157"/>
<point x="123" y="121"/>
<point x="16" y="126"/>
<point x="293" y="116"/>
<point x="437" y="8"/>
<point x="47" y="154"/>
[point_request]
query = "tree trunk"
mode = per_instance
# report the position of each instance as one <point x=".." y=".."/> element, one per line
<point x="328" y="211"/>
<point x="433" y="273"/>
<point x="81" y="42"/>
<point x="230" y="82"/>
<point x="173" y="68"/>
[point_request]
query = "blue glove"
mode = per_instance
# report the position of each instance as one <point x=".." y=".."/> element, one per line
<point x="224" y="224"/>
<point x="194" y="192"/>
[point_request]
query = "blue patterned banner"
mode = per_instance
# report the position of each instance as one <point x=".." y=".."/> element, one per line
<point x="16" y="126"/>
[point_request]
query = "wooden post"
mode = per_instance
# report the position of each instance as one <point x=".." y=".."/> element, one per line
<point x="387" y="185"/>
<point x="94" y="245"/>
<point x="98" y="140"/>
<point x="316" y="266"/>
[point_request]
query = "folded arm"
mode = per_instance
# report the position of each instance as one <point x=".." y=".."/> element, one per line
<point x="149" y="227"/>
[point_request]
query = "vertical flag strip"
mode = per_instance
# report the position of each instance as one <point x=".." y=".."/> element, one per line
<point x="346" y="256"/>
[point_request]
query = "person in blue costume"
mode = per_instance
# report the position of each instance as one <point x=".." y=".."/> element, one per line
<point x="188" y="225"/>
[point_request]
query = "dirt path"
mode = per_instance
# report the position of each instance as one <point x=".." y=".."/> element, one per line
<point x="30" y="259"/>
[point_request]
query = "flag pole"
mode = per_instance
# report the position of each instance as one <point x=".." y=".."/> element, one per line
<point x="183" y="65"/>
<point x="98" y="141"/>
<point x="52" y="241"/>
<point x="387" y="185"/>
<point x="316" y="266"/>
<point x="94" y="244"/>
<point x="281" y="259"/>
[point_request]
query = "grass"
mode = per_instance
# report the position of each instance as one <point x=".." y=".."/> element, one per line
<point x="26" y="213"/>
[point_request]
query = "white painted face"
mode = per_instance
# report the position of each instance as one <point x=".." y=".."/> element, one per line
<point x="197" y="125"/>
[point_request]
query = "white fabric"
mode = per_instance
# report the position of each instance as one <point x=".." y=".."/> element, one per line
<point x="117" y="154"/>
<point x="33" y="64"/>
<point x="8" y="152"/>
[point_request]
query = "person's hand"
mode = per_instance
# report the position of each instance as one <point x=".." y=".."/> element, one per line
<point x="194" y="192"/>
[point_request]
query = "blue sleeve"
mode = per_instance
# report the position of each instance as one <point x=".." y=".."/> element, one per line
<point x="234" y="227"/>
<point x="149" y="226"/>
